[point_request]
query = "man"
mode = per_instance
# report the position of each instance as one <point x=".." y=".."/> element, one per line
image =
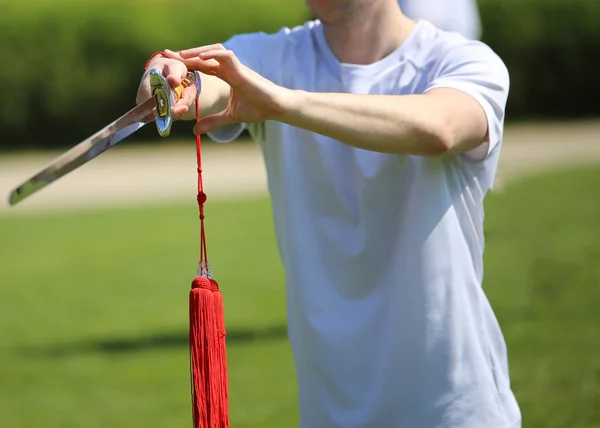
<point x="461" y="16"/>
<point x="380" y="136"/>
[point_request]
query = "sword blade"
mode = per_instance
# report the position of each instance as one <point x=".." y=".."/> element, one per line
<point x="87" y="150"/>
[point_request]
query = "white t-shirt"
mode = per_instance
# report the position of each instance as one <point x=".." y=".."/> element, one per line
<point x="461" y="16"/>
<point x="387" y="319"/>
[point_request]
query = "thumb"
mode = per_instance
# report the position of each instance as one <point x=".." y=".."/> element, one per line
<point x="174" y="80"/>
<point x="213" y="122"/>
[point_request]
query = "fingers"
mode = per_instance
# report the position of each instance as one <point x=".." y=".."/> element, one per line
<point x="213" y="122"/>
<point x="173" y="70"/>
<point x="221" y="63"/>
<point x="178" y="111"/>
<point x="191" y="53"/>
<point x="172" y="55"/>
<point x="197" y="64"/>
<point x="214" y="59"/>
<point x="167" y="53"/>
<point x="225" y="57"/>
<point x="189" y="95"/>
<point x="184" y="104"/>
<point x="191" y="60"/>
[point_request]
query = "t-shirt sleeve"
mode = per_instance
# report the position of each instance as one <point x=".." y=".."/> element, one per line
<point x="250" y="49"/>
<point x="475" y="69"/>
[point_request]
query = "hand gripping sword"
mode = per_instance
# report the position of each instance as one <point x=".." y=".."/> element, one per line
<point x="157" y="108"/>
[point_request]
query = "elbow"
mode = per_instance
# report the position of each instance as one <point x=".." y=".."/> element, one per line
<point x="438" y="141"/>
<point x="442" y="144"/>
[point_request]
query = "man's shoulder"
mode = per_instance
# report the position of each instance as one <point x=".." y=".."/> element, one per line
<point x="438" y="47"/>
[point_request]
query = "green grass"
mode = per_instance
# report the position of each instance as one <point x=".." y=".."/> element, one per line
<point x="93" y="309"/>
<point x="93" y="317"/>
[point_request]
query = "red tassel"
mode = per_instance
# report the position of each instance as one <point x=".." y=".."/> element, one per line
<point x="208" y="355"/>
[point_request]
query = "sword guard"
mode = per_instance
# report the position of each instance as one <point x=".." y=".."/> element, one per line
<point x="165" y="97"/>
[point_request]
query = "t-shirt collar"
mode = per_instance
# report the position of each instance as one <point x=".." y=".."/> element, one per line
<point x="408" y="46"/>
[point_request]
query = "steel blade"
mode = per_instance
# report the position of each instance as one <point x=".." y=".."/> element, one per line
<point x="87" y="150"/>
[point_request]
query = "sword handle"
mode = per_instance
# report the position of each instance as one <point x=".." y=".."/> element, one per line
<point x="187" y="82"/>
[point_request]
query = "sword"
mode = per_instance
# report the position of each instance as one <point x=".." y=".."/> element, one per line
<point x="157" y="108"/>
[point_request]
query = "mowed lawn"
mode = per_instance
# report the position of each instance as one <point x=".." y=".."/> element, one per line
<point x="93" y="309"/>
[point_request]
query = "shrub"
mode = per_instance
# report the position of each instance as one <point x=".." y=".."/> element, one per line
<point x="70" y="66"/>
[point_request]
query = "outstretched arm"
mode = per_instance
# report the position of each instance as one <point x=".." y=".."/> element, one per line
<point x="441" y="121"/>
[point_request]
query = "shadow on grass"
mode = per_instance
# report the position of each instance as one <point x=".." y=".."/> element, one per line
<point x="117" y="346"/>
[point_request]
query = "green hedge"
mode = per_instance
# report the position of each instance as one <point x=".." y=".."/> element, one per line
<point x="71" y="66"/>
<point x="551" y="48"/>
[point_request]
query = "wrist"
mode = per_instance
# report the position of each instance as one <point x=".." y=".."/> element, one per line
<point x="291" y="104"/>
<point x="152" y="59"/>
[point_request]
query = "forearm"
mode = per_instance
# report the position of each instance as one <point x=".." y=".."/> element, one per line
<point x="401" y="124"/>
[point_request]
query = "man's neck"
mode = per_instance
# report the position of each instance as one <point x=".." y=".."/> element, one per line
<point x="378" y="33"/>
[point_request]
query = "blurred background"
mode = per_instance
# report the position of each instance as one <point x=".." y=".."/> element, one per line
<point x="95" y="270"/>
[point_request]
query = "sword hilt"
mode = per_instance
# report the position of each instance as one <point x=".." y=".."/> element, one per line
<point x="186" y="83"/>
<point x="165" y="97"/>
